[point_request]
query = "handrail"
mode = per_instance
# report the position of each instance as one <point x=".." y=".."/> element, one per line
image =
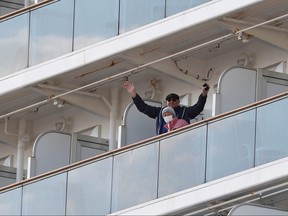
<point x="147" y="141"/>
<point x="25" y="9"/>
<point x="138" y="68"/>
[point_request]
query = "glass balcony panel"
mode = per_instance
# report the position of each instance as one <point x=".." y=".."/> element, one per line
<point x="135" y="13"/>
<point x="10" y="202"/>
<point x="135" y="177"/>
<point x="51" y="31"/>
<point x="14" y="44"/>
<point x="230" y="146"/>
<point x="89" y="189"/>
<point x="271" y="132"/>
<point x="182" y="161"/>
<point x="45" y="197"/>
<point x="95" y="21"/>
<point x="174" y="7"/>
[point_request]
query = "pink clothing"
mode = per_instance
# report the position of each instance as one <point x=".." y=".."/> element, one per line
<point x="176" y="123"/>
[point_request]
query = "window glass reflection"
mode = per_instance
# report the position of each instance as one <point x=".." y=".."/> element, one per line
<point x="10" y="202"/>
<point x="89" y="189"/>
<point x="95" y="21"/>
<point x="135" y="177"/>
<point x="182" y="161"/>
<point x="14" y="44"/>
<point x="45" y="197"/>
<point x="230" y="146"/>
<point x="272" y="136"/>
<point x="51" y="31"/>
<point x="176" y="6"/>
<point x="135" y="13"/>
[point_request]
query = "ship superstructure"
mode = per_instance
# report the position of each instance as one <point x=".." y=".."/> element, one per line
<point x="73" y="143"/>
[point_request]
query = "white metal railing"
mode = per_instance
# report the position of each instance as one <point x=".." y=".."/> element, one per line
<point x="158" y="166"/>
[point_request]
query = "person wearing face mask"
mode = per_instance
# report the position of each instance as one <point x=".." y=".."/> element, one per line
<point x="173" y="101"/>
<point x="172" y="122"/>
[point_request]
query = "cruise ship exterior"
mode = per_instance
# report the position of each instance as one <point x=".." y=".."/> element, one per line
<point x="73" y="142"/>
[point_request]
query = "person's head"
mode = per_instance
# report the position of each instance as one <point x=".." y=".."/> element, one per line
<point x="168" y="114"/>
<point x="172" y="100"/>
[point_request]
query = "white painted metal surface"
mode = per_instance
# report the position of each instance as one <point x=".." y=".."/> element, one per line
<point x="252" y="209"/>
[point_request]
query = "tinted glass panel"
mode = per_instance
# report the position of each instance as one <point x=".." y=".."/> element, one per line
<point x="135" y="177"/>
<point x="176" y="6"/>
<point x="51" y="31"/>
<point x="45" y="197"/>
<point x="95" y="21"/>
<point x="182" y="161"/>
<point x="10" y="202"/>
<point x="89" y="189"/>
<point x="230" y="147"/>
<point x="14" y="44"/>
<point x="135" y="13"/>
<point x="272" y="136"/>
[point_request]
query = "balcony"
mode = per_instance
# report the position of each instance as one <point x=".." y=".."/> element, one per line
<point x="240" y="144"/>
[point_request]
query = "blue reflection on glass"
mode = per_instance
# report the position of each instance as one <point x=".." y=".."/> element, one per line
<point x="230" y="147"/>
<point x="135" y="13"/>
<point x="14" y="44"/>
<point x="89" y="189"/>
<point x="95" y="21"/>
<point x="174" y="7"/>
<point x="45" y="197"/>
<point x="51" y="31"/>
<point x="135" y="177"/>
<point x="271" y="133"/>
<point x="10" y="202"/>
<point x="182" y="161"/>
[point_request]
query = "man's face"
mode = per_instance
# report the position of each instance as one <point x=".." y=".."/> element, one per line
<point x="172" y="102"/>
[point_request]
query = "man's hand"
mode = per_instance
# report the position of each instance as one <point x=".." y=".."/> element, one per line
<point x="129" y="86"/>
<point x="205" y="89"/>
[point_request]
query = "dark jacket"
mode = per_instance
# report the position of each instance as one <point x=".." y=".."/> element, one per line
<point x="182" y="112"/>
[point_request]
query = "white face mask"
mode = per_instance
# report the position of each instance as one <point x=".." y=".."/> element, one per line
<point x="167" y="119"/>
